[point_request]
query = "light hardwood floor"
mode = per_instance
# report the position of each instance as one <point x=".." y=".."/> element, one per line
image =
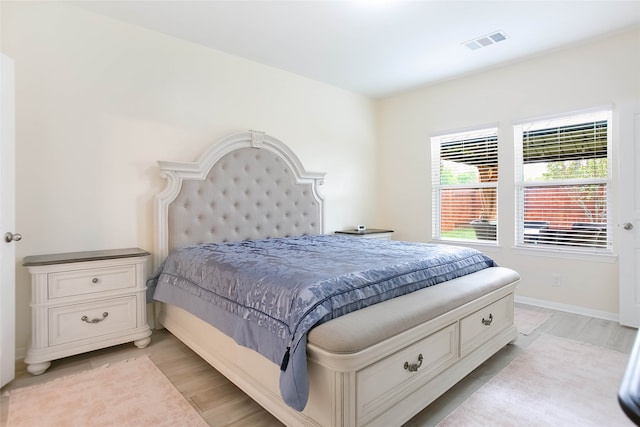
<point x="221" y="403"/>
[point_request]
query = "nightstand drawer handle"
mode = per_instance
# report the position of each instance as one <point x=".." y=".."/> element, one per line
<point x="96" y="320"/>
<point x="95" y="280"/>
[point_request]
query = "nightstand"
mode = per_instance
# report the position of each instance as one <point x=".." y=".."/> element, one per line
<point x="370" y="233"/>
<point x="85" y="301"/>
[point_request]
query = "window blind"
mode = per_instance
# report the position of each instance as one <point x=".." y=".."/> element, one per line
<point x="563" y="183"/>
<point x="574" y="142"/>
<point x="465" y="185"/>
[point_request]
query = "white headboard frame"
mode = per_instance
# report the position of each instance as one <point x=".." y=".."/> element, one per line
<point x="232" y="192"/>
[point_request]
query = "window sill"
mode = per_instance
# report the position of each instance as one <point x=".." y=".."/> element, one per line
<point x="581" y="255"/>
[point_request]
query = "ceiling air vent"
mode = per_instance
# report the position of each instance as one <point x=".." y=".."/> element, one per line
<point x="485" y="41"/>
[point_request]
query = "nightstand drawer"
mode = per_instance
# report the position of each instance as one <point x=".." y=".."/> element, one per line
<point x="81" y="321"/>
<point x="89" y="281"/>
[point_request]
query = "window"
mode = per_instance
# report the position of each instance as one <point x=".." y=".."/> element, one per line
<point x="563" y="176"/>
<point x="465" y="185"/>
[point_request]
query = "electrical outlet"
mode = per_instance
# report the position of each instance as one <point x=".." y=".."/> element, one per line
<point x="556" y="280"/>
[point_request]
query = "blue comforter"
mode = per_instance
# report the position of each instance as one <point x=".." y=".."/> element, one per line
<point x="267" y="294"/>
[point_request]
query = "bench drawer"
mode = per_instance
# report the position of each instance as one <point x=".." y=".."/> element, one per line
<point x="481" y="325"/>
<point x="384" y="383"/>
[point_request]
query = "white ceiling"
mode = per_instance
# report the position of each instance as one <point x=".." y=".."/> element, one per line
<point x="377" y="47"/>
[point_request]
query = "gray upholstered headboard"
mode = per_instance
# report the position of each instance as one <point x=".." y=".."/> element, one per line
<point x="247" y="186"/>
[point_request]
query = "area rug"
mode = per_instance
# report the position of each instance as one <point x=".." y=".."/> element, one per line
<point x="553" y="382"/>
<point x="129" y="393"/>
<point x="528" y="321"/>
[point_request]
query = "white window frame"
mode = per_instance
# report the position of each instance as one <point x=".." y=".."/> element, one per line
<point x="521" y="184"/>
<point x="437" y="187"/>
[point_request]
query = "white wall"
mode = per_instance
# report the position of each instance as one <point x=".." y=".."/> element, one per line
<point x="599" y="73"/>
<point x="98" y="102"/>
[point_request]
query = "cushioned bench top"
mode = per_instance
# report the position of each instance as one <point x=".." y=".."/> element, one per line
<point x="363" y="328"/>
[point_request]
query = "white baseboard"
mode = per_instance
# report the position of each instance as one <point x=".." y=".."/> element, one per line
<point x="21" y="352"/>
<point x="614" y="317"/>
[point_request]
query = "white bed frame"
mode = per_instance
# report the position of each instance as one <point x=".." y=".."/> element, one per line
<point x="384" y="384"/>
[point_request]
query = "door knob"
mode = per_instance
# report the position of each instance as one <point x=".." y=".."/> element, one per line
<point x="627" y="226"/>
<point x="11" y="237"/>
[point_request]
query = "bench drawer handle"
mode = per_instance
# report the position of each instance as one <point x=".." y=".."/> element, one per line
<point x="413" y="367"/>
<point x="487" y="322"/>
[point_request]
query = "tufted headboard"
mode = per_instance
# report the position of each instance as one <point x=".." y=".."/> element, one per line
<point x="247" y="186"/>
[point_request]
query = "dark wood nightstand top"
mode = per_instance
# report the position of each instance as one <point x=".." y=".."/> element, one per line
<point x="65" y="258"/>
<point x="367" y="231"/>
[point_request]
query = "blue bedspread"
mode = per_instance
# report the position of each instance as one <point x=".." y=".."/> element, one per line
<point x="267" y="294"/>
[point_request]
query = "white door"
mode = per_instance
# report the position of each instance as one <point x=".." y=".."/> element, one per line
<point x="629" y="215"/>
<point x="7" y="222"/>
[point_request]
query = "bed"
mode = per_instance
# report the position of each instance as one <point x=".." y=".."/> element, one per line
<point x="377" y="365"/>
